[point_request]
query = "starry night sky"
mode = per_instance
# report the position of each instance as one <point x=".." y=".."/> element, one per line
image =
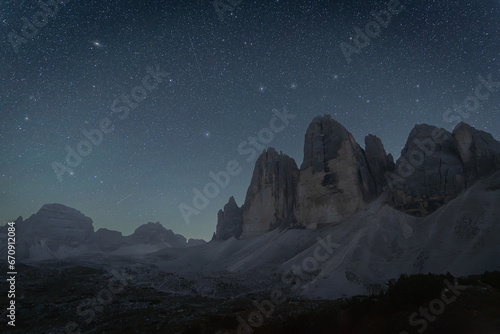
<point x="222" y="74"/>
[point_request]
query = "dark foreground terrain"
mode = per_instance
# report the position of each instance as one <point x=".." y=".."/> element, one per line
<point x="88" y="299"/>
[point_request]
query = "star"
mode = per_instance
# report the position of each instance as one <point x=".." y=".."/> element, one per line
<point x="87" y="114"/>
<point x="98" y="44"/>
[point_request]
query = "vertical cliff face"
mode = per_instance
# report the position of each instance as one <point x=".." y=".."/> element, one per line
<point x="336" y="178"/>
<point x="436" y="166"/>
<point x="272" y="194"/>
<point x="428" y="173"/>
<point x="379" y="162"/>
<point x="323" y="141"/>
<point x="229" y="221"/>
<point x="478" y="150"/>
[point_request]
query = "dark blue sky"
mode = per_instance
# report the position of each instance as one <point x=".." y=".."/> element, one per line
<point x="214" y="80"/>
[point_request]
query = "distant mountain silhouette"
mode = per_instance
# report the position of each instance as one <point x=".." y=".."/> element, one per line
<point x="58" y="231"/>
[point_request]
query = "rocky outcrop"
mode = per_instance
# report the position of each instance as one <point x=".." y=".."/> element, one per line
<point x="478" y="150"/>
<point x="436" y="166"/>
<point x="59" y="225"/>
<point x="379" y="162"/>
<point x="336" y="178"/>
<point x="53" y="227"/>
<point x="107" y="240"/>
<point x="155" y="234"/>
<point x="428" y="173"/>
<point x="58" y="231"/>
<point x="55" y="219"/>
<point x="324" y="140"/>
<point x="195" y="242"/>
<point x="271" y="196"/>
<point x="229" y="221"/>
<point x="269" y="202"/>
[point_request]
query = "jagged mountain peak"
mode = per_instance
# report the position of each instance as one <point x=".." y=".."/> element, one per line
<point x="270" y="198"/>
<point x="232" y="202"/>
<point x="338" y="178"/>
<point x="271" y="154"/>
<point x="59" y="231"/>
<point x="324" y="139"/>
<point x="229" y="221"/>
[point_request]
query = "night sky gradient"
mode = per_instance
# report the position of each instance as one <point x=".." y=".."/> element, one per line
<point x="220" y="81"/>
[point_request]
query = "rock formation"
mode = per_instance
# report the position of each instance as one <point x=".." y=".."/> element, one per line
<point x="379" y="162"/>
<point x="478" y="150"/>
<point x="271" y="196"/>
<point x="107" y="240"/>
<point x="229" y="221"/>
<point x="58" y="231"/>
<point x="54" y="219"/>
<point x="338" y="178"/>
<point x="155" y="234"/>
<point x="54" y="226"/>
<point x="428" y="173"/>
<point x="436" y="166"/>
<point x="195" y="242"/>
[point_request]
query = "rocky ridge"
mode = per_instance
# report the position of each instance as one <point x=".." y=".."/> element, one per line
<point x="58" y="231"/>
<point x="338" y="178"/>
